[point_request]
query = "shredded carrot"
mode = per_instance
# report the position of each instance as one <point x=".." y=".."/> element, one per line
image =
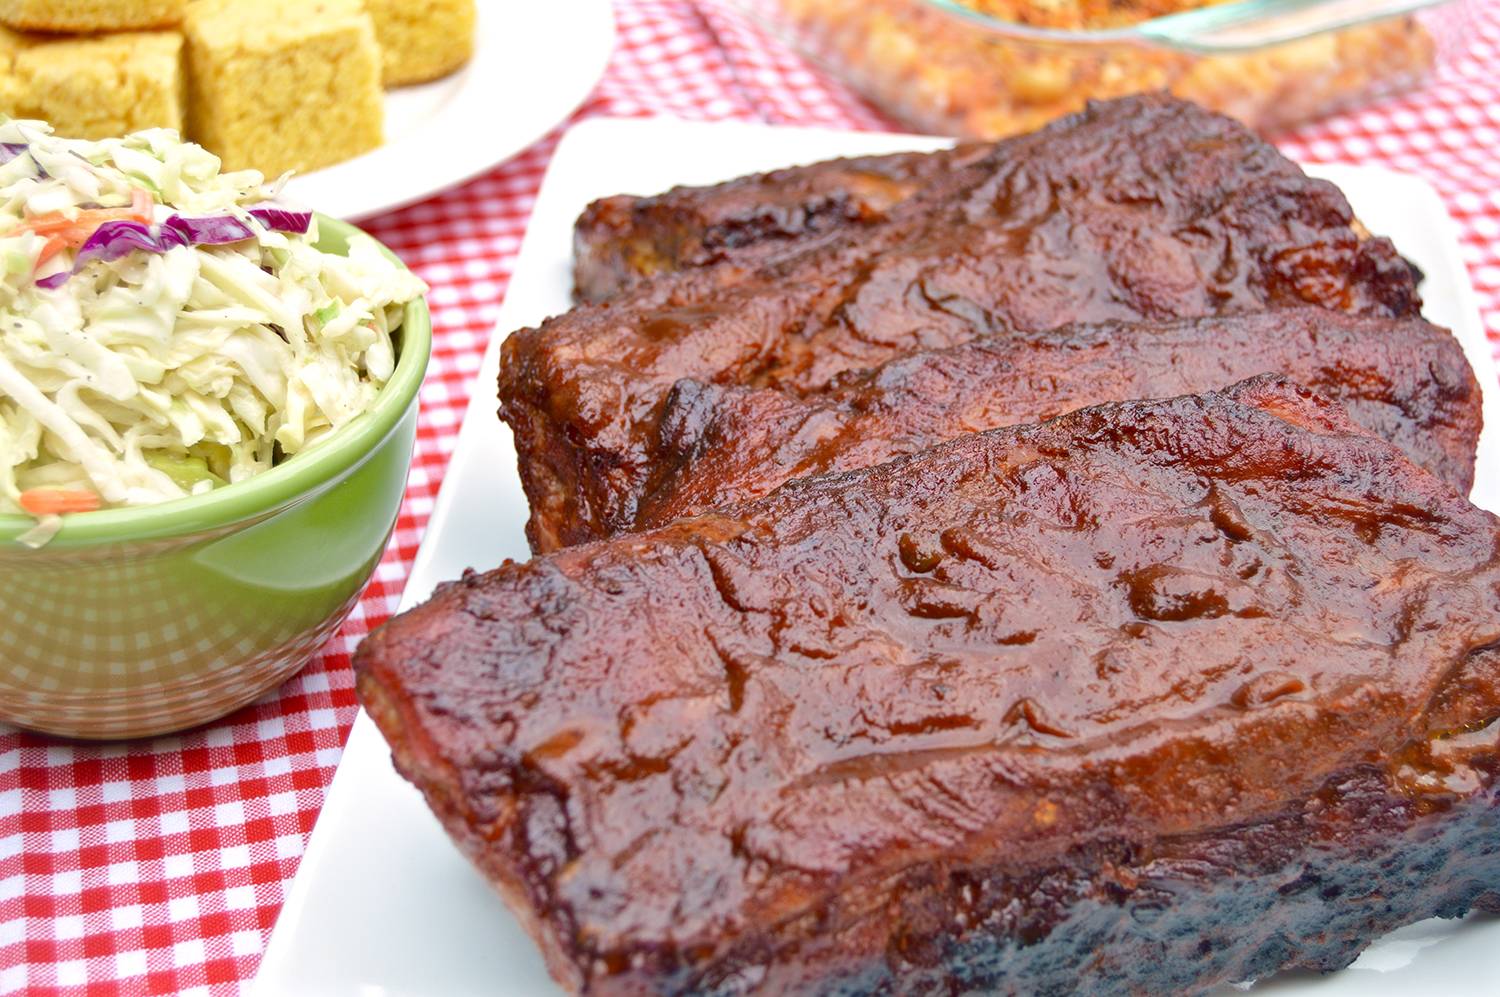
<point x="56" y="501"/>
<point x="75" y="231"/>
<point x="93" y="216"/>
<point x="54" y="245"/>
<point x="51" y="223"/>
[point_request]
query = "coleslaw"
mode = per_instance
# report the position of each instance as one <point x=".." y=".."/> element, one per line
<point x="167" y="329"/>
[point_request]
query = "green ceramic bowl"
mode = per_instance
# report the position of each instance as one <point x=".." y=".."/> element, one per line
<point x="145" y="620"/>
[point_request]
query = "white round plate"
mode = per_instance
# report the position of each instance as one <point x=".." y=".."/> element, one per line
<point x="534" y="62"/>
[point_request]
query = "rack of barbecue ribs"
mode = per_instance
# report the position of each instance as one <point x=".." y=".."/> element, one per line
<point x="879" y="642"/>
<point x="1402" y="379"/>
<point x="1150" y="697"/>
<point x="1144" y="208"/>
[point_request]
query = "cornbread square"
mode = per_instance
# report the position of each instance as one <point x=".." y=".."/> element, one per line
<point x="422" y="40"/>
<point x="12" y="44"/>
<point x="283" y="84"/>
<point x="94" y="87"/>
<point x="90" y="15"/>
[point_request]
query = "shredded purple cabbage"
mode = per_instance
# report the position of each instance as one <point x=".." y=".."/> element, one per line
<point x="282" y="220"/>
<point x="114" y="239"/>
<point x="213" y="231"/>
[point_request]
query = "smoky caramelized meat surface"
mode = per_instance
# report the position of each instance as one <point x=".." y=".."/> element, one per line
<point x="1149" y="697"/>
<point x="1402" y="379"/>
<point x="1141" y="208"/>
<point x="622" y="240"/>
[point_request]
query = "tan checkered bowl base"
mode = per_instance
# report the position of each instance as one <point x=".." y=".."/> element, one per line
<point x="99" y="709"/>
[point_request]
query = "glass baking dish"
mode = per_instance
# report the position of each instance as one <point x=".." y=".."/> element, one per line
<point x="944" y="67"/>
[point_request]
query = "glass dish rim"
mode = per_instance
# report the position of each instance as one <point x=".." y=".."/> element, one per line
<point x="1187" y="31"/>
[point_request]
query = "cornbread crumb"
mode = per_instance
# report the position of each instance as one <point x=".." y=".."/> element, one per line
<point x="283" y="84"/>
<point x="94" y="87"/>
<point x="422" y="40"/>
<point x="90" y="15"/>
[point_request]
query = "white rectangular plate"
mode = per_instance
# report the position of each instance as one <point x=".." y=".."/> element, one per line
<point x="384" y="904"/>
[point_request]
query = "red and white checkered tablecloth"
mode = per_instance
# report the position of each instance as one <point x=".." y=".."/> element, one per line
<point x="159" y="867"/>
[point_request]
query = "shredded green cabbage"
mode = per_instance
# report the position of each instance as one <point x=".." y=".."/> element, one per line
<point x="159" y="375"/>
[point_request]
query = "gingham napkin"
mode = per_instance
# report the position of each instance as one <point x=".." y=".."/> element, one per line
<point x="159" y="867"/>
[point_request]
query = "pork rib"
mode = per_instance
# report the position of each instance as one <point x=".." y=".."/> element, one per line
<point x="1141" y="208"/>
<point x="1402" y="379"/>
<point x="622" y="240"/>
<point x="1150" y="697"/>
